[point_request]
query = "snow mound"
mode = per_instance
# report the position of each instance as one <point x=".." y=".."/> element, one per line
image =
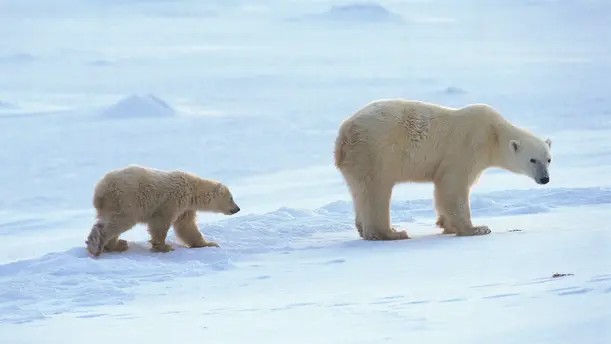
<point x="359" y="12"/>
<point x="453" y="90"/>
<point x="18" y="58"/>
<point x="139" y="106"/>
<point x="100" y="63"/>
<point x="5" y="105"/>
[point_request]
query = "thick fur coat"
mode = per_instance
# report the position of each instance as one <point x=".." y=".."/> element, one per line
<point x="395" y="141"/>
<point x="160" y="199"/>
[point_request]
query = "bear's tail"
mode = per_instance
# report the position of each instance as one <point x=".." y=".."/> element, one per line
<point x="98" y="202"/>
<point x="340" y="142"/>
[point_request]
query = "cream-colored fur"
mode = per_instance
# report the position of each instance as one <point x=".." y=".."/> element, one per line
<point x="160" y="199"/>
<point x="394" y="141"/>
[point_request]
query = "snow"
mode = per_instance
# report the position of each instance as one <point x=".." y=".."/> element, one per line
<point x="357" y="13"/>
<point x="245" y="93"/>
<point x="140" y="106"/>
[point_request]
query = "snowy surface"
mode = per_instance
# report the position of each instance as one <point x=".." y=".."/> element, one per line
<point x="138" y="106"/>
<point x="252" y="93"/>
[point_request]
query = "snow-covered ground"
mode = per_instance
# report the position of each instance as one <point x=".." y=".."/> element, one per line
<point x="252" y="94"/>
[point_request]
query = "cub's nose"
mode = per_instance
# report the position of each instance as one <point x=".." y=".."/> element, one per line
<point x="544" y="180"/>
<point x="234" y="210"/>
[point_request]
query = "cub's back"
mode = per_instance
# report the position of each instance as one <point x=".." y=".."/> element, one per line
<point x="134" y="187"/>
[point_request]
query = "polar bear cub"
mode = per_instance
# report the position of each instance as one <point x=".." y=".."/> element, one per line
<point x="160" y="199"/>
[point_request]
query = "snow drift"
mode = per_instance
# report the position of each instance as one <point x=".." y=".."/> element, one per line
<point x="139" y="106"/>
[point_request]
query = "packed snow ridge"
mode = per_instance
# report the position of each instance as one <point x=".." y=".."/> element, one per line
<point x="139" y="106"/>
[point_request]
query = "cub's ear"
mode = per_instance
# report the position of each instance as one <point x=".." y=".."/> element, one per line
<point x="549" y="142"/>
<point x="514" y="145"/>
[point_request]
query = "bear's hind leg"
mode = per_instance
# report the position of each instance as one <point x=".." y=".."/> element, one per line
<point x="452" y="202"/>
<point x="186" y="230"/>
<point x="158" y="227"/>
<point x="357" y="204"/>
<point x="374" y="204"/>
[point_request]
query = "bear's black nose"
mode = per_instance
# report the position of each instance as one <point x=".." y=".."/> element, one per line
<point x="544" y="180"/>
<point x="235" y="210"/>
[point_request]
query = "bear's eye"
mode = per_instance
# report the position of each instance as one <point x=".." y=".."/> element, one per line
<point x="549" y="160"/>
<point x="533" y="161"/>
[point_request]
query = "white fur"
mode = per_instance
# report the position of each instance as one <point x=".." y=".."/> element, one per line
<point x="394" y="141"/>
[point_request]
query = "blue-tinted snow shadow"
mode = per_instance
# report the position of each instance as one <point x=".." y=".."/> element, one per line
<point x="68" y="281"/>
<point x="63" y="281"/>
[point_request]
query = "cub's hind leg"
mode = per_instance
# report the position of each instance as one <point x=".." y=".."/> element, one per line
<point x="104" y="232"/>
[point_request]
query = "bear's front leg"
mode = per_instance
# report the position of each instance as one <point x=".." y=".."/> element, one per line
<point x="452" y="203"/>
<point x="186" y="230"/>
<point x="442" y="221"/>
<point x="374" y="209"/>
<point x="158" y="228"/>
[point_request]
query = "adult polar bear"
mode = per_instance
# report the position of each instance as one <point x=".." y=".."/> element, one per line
<point x="392" y="141"/>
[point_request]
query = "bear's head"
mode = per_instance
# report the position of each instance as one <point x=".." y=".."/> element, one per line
<point x="530" y="156"/>
<point x="215" y="198"/>
<point x="223" y="202"/>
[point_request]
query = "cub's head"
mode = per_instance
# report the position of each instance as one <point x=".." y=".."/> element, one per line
<point x="223" y="202"/>
<point x="215" y="198"/>
<point x="530" y="156"/>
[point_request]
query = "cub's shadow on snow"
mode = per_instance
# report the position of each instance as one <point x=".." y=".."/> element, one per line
<point x="68" y="281"/>
<point x="139" y="251"/>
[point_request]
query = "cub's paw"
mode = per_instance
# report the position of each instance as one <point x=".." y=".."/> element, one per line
<point x="161" y="247"/>
<point x="119" y="246"/>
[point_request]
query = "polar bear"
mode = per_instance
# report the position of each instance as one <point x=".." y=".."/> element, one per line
<point x="160" y="199"/>
<point x="392" y="141"/>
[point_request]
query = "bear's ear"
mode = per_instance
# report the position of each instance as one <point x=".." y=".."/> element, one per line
<point x="514" y="145"/>
<point x="549" y="142"/>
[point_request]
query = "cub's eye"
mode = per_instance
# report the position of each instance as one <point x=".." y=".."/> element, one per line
<point x="533" y="161"/>
<point x="549" y="160"/>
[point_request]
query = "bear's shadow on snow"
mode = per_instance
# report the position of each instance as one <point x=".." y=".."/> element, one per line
<point x="416" y="242"/>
